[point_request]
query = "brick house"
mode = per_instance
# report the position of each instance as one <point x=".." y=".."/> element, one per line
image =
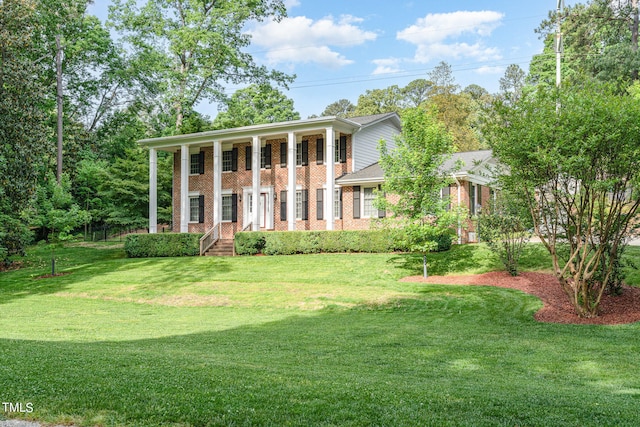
<point x="286" y="165"/>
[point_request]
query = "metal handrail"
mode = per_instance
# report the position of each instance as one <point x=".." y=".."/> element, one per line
<point x="248" y="226"/>
<point x="210" y="238"/>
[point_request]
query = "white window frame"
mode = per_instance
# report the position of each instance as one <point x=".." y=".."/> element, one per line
<point x="226" y="195"/>
<point x="194" y="196"/>
<point x="194" y="165"/>
<point x="373" y="212"/>
<point x="299" y="153"/>
<point x="337" y="203"/>
<point x="227" y="164"/>
<point x="299" y="205"/>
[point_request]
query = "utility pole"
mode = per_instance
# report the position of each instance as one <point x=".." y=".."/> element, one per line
<point x="59" y="102"/>
<point x="559" y="48"/>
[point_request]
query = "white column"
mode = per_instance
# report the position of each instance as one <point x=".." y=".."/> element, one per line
<point x="291" y="182"/>
<point x="255" y="168"/>
<point x="153" y="190"/>
<point x="331" y="185"/>
<point x="217" y="182"/>
<point x="184" y="189"/>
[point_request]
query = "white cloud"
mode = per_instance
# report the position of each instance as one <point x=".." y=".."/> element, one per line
<point x="490" y="70"/>
<point x="436" y="35"/>
<point x="386" y="66"/>
<point x="303" y="40"/>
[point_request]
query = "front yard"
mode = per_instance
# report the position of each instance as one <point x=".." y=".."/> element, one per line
<point x="300" y="340"/>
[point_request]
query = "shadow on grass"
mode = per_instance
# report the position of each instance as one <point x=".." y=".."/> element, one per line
<point x="460" y="259"/>
<point x="342" y="367"/>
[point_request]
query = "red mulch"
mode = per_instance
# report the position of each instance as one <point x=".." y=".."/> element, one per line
<point x="556" y="308"/>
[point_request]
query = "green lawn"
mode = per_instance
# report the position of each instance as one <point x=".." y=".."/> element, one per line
<point x="300" y="340"/>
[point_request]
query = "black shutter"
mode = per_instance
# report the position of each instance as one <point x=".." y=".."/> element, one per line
<point x="343" y="149"/>
<point x="319" y="203"/>
<point x="283" y="154"/>
<point x="234" y="159"/>
<point x="201" y="162"/>
<point x="247" y="157"/>
<point x="479" y="190"/>
<point x="201" y="209"/>
<point x="340" y="205"/>
<point x="305" y="205"/>
<point x="381" y="212"/>
<point x="283" y="205"/>
<point x="472" y="199"/>
<point x="267" y="156"/>
<point x="305" y="153"/>
<point x="234" y="207"/>
<point x="356" y="201"/>
<point x="319" y="151"/>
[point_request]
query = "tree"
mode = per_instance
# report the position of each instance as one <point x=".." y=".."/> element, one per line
<point x="188" y="50"/>
<point x="442" y="79"/>
<point x="512" y="82"/>
<point x="256" y="105"/>
<point x="379" y="101"/>
<point x="579" y="172"/>
<point x="417" y="92"/>
<point x="414" y="176"/>
<point x="340" y="108"/>
<point x="22" y="118"/>
<point x="600" y="39"/>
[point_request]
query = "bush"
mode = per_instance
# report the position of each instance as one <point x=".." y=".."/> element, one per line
<point x="309" y="242"/>
<point x="249" y="243"/>
<point x="162" y="245"/>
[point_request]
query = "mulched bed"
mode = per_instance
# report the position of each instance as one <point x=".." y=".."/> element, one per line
<point x="614" y="309"/>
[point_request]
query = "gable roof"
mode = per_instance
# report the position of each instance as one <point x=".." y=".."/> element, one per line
<point x="473" y="165"/>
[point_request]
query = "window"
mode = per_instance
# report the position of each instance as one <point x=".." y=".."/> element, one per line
<point x="265" y="157"/>
<point x="227" y="207"/>
<point x="340" y="150"/>
<point x="337" y="204"/>
<point x="368" y="210"/>
<point x="299" y="204"/>
<point x="227" y="160"/>
<point x="194" y="209"/>
<point x="302" y="153"/>
<point x="194" y="164"/>
<point x="299" y="154"/>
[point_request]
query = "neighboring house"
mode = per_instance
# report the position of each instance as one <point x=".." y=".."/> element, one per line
<point x="217" y="173"/>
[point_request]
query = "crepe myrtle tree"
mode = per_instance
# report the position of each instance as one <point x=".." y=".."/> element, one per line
<point x="574" y="156"/>
<point x="414" y="175"/>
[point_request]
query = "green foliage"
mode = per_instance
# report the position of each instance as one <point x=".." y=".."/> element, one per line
<point x="597" y="43"/>
<point x="254" y="105"/>
<point x="505" y="226"/>
<point x="162" y="245"/>
<point x="578" y="170"/>
<point x="310" y="242"/>
<point x="378" y="101"/>
<point x="14" y="236"/>
<point x="54" y="210"/>
<point x="341" y="108"/>
<point x="188" y="51"/>
<point x="412" y="167"/>
<point x="23" y="111"/>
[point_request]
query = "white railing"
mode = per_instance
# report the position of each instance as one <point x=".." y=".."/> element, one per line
<point x="210" y="238"/>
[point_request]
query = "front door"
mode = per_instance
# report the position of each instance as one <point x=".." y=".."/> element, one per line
<point x="265" y="209"/>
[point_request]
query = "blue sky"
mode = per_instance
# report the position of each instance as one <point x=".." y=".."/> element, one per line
<point x="341" y="48"/>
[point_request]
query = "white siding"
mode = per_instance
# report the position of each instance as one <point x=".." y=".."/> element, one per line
<point x="365" y="143"/>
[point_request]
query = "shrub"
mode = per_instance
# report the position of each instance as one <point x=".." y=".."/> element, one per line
<point x="309" y="242"/>
<point x="249" y="243"/>
<point x="162" y="245"/>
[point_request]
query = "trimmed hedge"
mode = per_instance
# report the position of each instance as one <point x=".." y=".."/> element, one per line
<point x="162" y="245"/>
<point x="309" y="242"/>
